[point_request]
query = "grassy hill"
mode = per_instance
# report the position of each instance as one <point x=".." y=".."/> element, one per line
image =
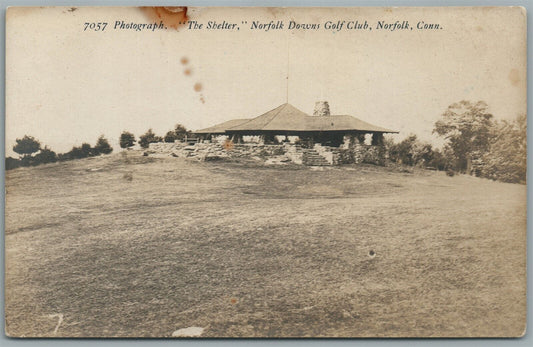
<point x="126" y="245"/>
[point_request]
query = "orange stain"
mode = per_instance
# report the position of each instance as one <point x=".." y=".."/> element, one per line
<point x="198" y="87"/>
<point x="171" y="16"/>
<point x="228" y="145"/>
<point x="187" y="72"/>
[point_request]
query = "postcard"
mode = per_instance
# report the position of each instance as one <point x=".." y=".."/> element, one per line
<point x="265" y="172"/>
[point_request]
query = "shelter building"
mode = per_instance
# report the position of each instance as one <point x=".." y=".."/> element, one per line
<point x="286" y="120"/>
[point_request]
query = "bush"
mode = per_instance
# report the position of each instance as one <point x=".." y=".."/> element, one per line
<point x="102" y="146"/>
<point x="26" y="161"/>
<point x="413" y="152"/>
<point x="346" y="156"/>
<point x="403" y="152"/>
<point x="74" y="153"/>
<point x="148" y="138"/>
<point x="78" y="152"/>
<point x="127" y="139"/>
<point x="374" y="155"/>
<point x="12" y="163"/>
<point x="87" y="150"/>
<point x="439" y="161"/>
<point x="46" y="155"/>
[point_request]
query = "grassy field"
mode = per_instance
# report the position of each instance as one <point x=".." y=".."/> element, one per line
<point x="139" y="246"/>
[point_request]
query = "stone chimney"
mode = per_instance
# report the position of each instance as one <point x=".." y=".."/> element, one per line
<point x="321" y="108"/>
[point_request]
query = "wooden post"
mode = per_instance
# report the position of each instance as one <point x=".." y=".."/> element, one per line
<point x="269" y="138"/>
<point x="377" y="139"/>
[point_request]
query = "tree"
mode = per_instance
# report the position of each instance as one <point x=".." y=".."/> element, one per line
<point x="466" y="126"/>
<point x="439" y="159"/>
<point x="422" y="153"/>
<point x="26" y="146"/>
<point x="127" y="139"/>
<point x="170" y="136"/>
<point x="181" y="132"/>
<point x="403" y="152"/>
<point x="411" y="151"/>
<point x="507" y="159"/>
<point x="102" y="145"/>
<point x="148" y="138"/>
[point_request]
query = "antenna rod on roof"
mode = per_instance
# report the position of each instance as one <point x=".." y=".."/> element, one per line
<point x="287" y="86"/>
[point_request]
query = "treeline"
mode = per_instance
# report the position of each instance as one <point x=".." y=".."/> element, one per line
<point x="413" y="152"/>
<point x="179" y="132"/>
<point x="475" y="144"/>
<point x="32" y="153"/>
<point x="28" y="145"/>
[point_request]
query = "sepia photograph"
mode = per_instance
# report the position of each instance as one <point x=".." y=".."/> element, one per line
<point x="265" y="172"/>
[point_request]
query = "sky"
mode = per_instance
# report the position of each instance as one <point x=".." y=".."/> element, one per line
<point x="66" y="86"/>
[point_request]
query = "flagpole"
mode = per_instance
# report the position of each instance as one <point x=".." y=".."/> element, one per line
<point x="287" y="85"/>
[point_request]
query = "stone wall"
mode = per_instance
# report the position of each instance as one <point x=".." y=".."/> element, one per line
<point x="293" y="153"/>
<point x="269" y="153"/>
<point x="200" y="151"/>
<point x="361" y="153"/>
<point x="215" y="150"/>
<point x="371" y="154"/>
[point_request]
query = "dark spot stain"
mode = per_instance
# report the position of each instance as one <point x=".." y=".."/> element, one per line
<point x="371" y="253"/>
<point x="72" y="9"/>
<point x="274" y="11"/>
<point x="514" y="77"/>
<point x="171" y="16"/>
<point x="188" y="72"/>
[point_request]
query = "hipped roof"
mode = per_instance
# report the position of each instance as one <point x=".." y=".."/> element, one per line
<point x="288" y="118"/>
<point x="221" y="128"/>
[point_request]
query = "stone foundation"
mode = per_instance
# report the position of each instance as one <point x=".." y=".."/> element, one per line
<point x="207" y="150"/>
<point x="270" y="153"/>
